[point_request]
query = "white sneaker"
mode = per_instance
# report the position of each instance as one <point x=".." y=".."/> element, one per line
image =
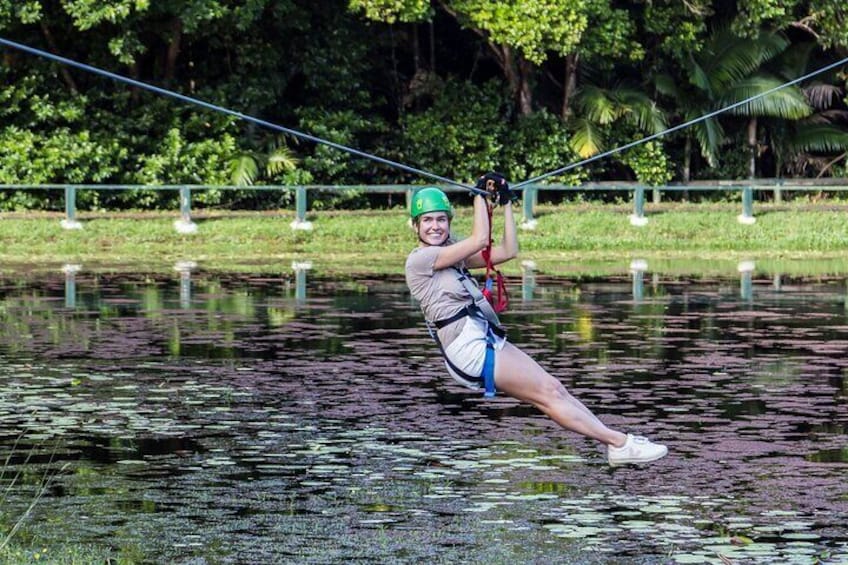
<point x="636" y="449"/>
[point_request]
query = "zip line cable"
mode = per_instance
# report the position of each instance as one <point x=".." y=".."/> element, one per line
<point x="679" y="126"/>
<point x="382" y="160"/>
<point x="239" y="115"/>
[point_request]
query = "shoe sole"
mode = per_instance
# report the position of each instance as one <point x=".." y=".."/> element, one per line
<point x="636" y="461"/>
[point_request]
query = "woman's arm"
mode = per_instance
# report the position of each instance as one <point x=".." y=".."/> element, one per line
<point x="469" y="247"/>
<point x="508" y="248"/>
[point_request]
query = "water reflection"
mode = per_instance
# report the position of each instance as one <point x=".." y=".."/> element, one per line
<point x="637" y="273"/>
<point x="638" y="269"/>
<point x="746" y="283"/>
<point x="241" y="418"/>
<point x="184" y="268"/>
<point x="70" y="284"/>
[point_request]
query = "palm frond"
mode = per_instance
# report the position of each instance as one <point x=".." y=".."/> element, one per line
<point x="729" y="58"/>
<point x="243" y="169"/>
<point x="822" y="96"/>
<point x="699" y="78"/>
<point x="770" y="45"/>
<point x="792" y="63"/>
<point x="710" y="136"/>
<point x="281" y="160"/>
<point x="819" y="138"/>
<point x="788" y="102"/>
<point x="585" y="139"/>
<point x="638" y="107"/>
<point x="596" y="105"/>
<point x="667" y="86"/>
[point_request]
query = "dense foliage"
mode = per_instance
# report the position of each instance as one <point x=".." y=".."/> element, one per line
<point x="455" y="87"/>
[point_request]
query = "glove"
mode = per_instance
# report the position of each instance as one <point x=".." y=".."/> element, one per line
<point x="497" y="187"/>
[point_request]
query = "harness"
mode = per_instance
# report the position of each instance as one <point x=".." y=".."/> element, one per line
<point x="480" y="308"/>
<point x="486" y="304"/>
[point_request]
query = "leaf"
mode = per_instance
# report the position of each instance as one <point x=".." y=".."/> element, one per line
<point x="596" y="105"/>
<point x="281" y="160"/>
<point x="243" y="170"/>
<point x="788" y="102"/>
<point x="819" y="138"/>
<point x="586" y="140"/>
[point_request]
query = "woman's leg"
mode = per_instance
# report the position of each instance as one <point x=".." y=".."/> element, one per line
<point x="519" y="376"/>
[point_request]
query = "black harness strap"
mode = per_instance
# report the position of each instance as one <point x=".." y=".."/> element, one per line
<point x="451" y="319"/>
<point x="469" y="310"/>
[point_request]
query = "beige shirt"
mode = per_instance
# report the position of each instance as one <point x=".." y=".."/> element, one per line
<point x="439" y="292"/>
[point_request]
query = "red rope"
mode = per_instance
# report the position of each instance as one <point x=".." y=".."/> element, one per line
<point x="499" y="299"/>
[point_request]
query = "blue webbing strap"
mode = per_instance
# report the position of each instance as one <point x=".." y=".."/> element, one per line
<point x="488" y="361"/>
<point x="489" y="366"/>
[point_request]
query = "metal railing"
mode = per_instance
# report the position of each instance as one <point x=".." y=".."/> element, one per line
<point x="637" y="192"/>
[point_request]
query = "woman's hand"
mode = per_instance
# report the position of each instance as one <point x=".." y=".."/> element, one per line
<point x="497" y="187"/>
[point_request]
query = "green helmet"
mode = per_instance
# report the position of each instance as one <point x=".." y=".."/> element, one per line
<point x="429" y="199"/>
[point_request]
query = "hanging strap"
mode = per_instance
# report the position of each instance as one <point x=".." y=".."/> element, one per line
<point x="481" y="303"/>
<point x="495" y="292"/>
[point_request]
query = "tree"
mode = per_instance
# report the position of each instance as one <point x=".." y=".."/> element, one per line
<point x="726" y="70"/>
<point x="815" y="144"/>
<point x="518" y="33"/>
<point x="825" y="20"/>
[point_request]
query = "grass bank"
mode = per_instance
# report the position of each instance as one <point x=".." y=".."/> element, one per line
<point x="574" y="238"/>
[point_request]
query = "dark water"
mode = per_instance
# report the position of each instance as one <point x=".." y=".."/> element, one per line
<point x="206" y="418"/>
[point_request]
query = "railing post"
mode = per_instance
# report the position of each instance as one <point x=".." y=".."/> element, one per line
<point x="184" y="224"/>
<point x="70" y="222"/>
<point x="747" y="216"/>
<point x="409" y="193"/>
<point x="638" y="217"/>
<point x="300" y="222"/>
<point x="528" y="203"/>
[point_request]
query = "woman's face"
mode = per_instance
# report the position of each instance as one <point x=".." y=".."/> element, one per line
<point x="433" y="228"/>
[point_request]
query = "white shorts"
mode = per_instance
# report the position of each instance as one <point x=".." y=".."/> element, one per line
<point x="468" y="351"/>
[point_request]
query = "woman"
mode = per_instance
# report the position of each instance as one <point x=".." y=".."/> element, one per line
<point x="468" y="328"/>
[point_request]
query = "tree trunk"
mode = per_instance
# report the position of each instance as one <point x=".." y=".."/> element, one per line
<point x="432" y="48"/>
<point x="516" y="70"/>
<point x="569" y="83"/>
<point x="525" y="94"/>
<point x="63" y="70"/>
<point x="752" y="147"/>
<point x="176" y="34"/>
<point x="687" y="167"/>
<point x="416" y="48"/>
<point x="134" y="74"/>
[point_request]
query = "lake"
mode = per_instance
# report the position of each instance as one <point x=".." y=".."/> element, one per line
<point x="286" y="417"/>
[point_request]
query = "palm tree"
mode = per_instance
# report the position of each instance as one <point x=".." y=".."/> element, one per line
<point x="727" y="70"/>
<point x="819" y="141"/>
<point x="249" y="166"/>
<point x="598" y="107"/>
